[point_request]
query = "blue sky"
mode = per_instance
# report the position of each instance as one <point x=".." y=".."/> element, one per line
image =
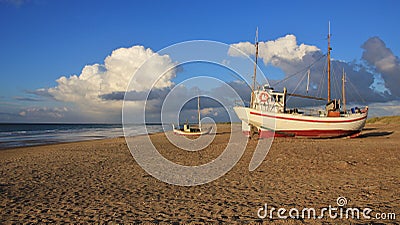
<point x="43" y="40"/>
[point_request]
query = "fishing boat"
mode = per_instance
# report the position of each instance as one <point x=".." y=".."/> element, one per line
<point x="191" y="129"/>
<point x="269" y="116"/>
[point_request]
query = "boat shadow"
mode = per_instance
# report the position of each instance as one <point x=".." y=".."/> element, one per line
<point x="219" y="133"/>
<point x="369" y="128"/>
<point x="376" y="134"/>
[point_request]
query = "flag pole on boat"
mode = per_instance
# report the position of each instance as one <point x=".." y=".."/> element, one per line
<point x="253" y="88"/>
<point x="343" y="91"/>
<point x="329" y="61"/>
<point x="198" y="110"/>
<point x="308" y="79"/>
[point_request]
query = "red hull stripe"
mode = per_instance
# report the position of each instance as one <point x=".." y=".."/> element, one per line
<point x="310" y="133"/>
<point x="318" y="133"/>
<point x="306" y="120"/>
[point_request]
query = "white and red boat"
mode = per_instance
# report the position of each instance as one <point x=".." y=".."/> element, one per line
<point x="269" y="116"/>
<point x="192" y="130"/>
<point x="189" y="130"/>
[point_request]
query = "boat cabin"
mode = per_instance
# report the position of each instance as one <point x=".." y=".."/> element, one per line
<point x="267" y="99"/>
<point x="190" y="128"/>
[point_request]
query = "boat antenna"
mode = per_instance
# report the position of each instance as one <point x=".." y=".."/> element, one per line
<point x="343" y="91"/>
<point x="255" y="70"/>
<point x="308" y="79"/>
<point x="329" y="61"/>
<point x="198" y="110"/>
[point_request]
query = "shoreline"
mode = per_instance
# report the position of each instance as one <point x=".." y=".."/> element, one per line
<point x="378" y="123"/>
<point x="61" y="138"/>
<point x="59" y="141"/>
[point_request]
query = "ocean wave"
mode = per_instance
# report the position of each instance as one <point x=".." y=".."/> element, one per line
<point x="20" y="135"/>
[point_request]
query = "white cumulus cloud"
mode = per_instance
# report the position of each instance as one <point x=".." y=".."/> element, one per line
<point x="113" y="76"/>
<point x="284" y="48"/>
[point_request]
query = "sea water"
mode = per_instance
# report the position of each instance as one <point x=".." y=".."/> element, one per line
<point x="22" y="134"/>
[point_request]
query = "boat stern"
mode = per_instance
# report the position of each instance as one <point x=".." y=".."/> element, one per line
<point x="244" y="117"/>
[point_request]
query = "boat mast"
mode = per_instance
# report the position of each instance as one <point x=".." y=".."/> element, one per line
<point x="308" y="80"/>
<point x="329" y="61"/>
<point x="253" y="88"/>
<point x="198" y="109"/>
<point x="343" y="91"/>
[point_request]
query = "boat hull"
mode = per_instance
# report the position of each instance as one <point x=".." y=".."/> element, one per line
<point x="298" y="125"/>
<point x="181" y="132"/>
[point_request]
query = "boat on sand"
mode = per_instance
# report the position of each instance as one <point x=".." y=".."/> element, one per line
<point x="268" y="114"/>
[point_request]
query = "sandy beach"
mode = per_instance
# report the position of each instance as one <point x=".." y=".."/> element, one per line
<point x="99" y="181"/>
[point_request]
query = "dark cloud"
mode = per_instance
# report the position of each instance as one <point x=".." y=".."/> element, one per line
<point x="6" y="116"/>
<point x="384" y="62"/>
<point x="37" y="112"/>
<point x="116" y="95"/>
<point x="357" y="85"/>
<point x="136" y="96"/>
<point x="241" y="89"/>
<point x="28" y="99"/>
<point x="155" y="100"/>
<point x="40" y="92"/>
<point x="205" y="102"/>
<point x="358" y="80"/>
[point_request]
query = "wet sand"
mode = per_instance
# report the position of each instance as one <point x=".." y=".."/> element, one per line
<point x="99" y="181"/>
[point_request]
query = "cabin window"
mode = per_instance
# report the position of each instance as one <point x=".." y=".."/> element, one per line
<point x="279" y="98"/>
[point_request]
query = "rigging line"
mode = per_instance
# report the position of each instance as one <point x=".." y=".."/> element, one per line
<point x="322" y="85"/>
<point x="322" y="81"/>
<point x="335" y="83"/>
<point x="354" y="96"/>
<point x="308" y="80"/>
<point x="317" y="92"/>
<point x="350" y="94"/>
<point x="354" y="87"/>
<point x="298" y="72"/>
<point x="347" y="79"/>
<point x="259" y="85"/>
<point x="244" y="79"/>
<point x="233" y="74"/>
<point x="298" y="84"/>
